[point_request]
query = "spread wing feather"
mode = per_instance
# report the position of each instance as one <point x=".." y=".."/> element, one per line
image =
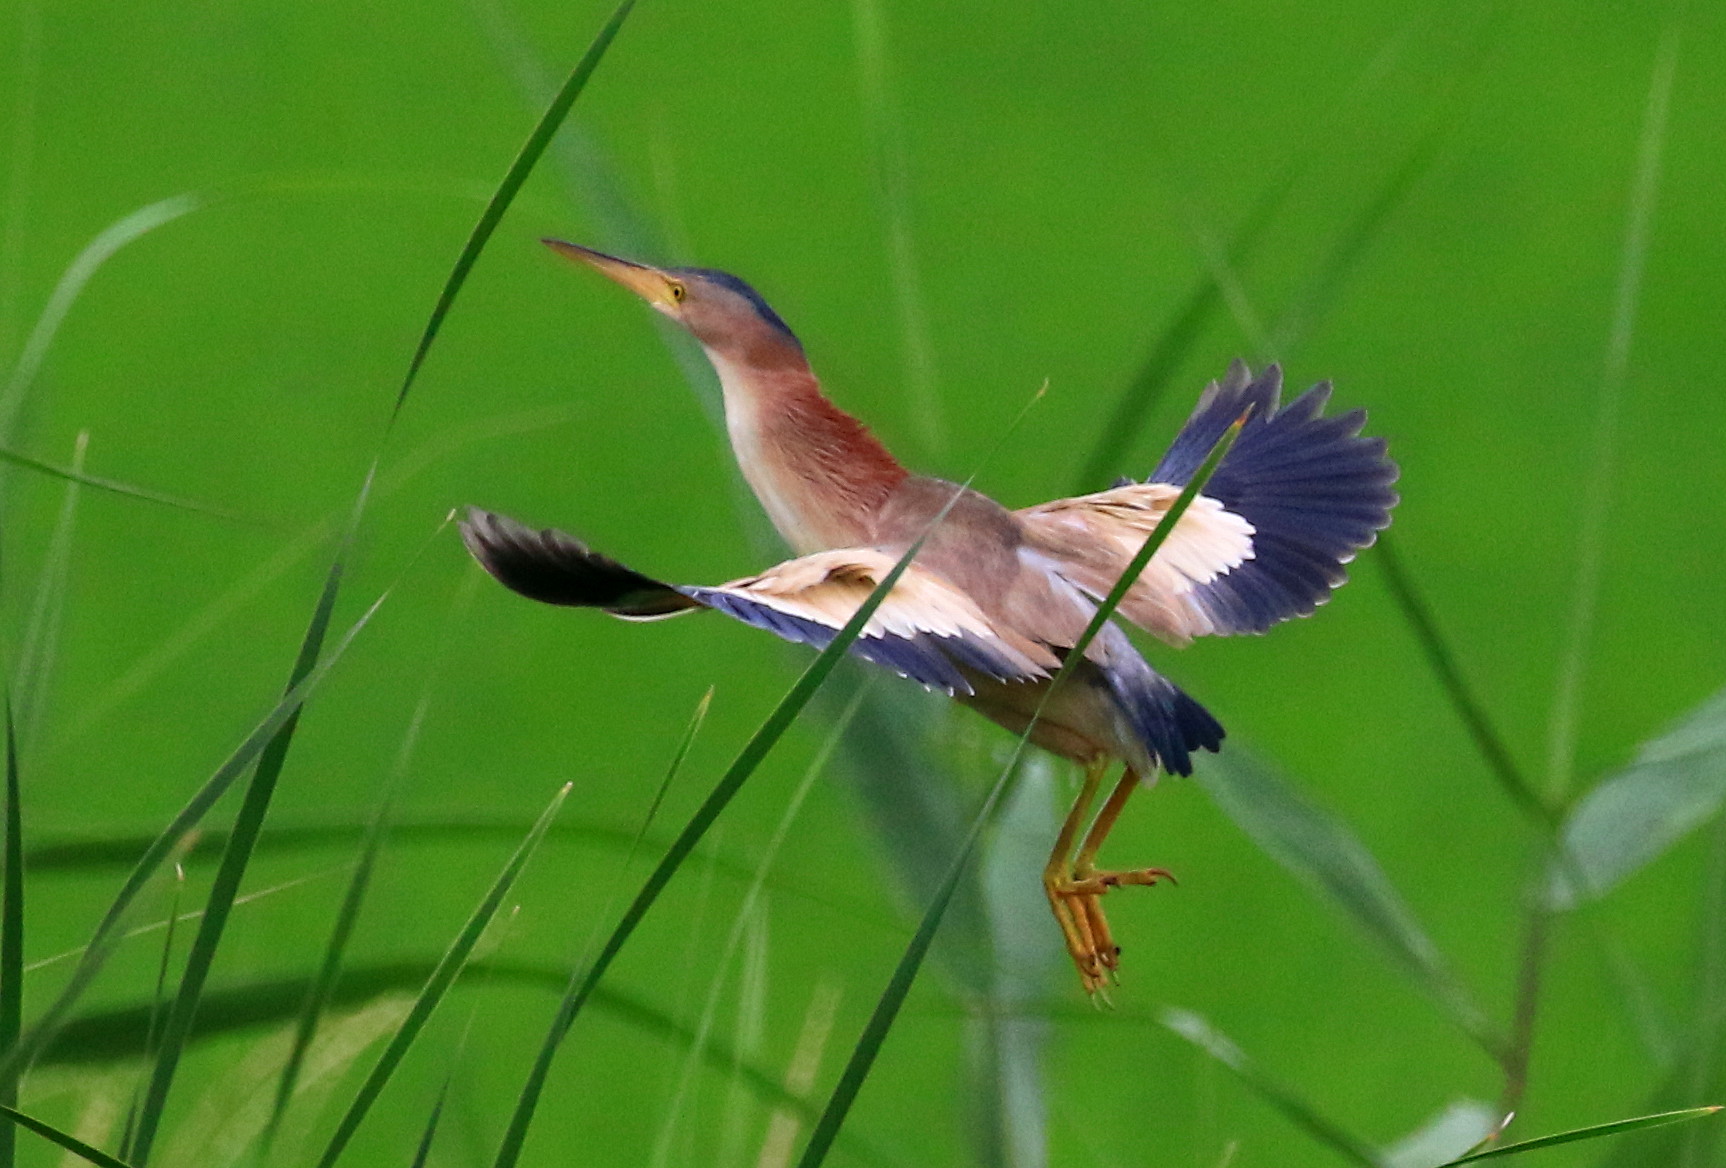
<point x="925" y="629"/>
<point x="1297" y="496"/>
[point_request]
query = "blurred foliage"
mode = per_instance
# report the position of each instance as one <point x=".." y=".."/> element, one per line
<point x="1495" y="225"/>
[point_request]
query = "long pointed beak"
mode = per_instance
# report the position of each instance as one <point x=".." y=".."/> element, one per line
<point x="648" y="283"/>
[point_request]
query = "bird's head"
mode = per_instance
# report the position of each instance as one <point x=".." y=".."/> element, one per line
<point x="726" y="315"/>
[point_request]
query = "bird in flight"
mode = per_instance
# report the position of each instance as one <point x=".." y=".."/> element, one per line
<point x="995" y="599"/>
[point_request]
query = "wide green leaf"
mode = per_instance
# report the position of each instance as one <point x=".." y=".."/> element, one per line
<point x="1219" y="1046"/>
<point x="1319" y="850"/>
<point x="1676" y="783"/>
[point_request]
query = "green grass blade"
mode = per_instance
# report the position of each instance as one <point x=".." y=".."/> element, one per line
<point x="1443" y="661"/>
<point x="743" y="916"/>
<point x="317" y="997"/>
<point x="437" y="985"/>
<point x="919" y="825"/>
<point x="766" y="736"/>
<point x="1140" y="397"/>
<point x="82" y="269"/>
<point x="1676" y="783"/>
<point x="89" y="853"/>
<point x="33" y="662"/>
<point x="259" y="793"/>
<point x="1593" y="1132"/>
<point x="753" y="752"/>
<point x="513" y="179"/>
<point x="1322" y="853"/>
<point x="1356" y="239"/>
<point x="347" y="915"/>
<point x="423" y="1151"/>
<point x="107" y="932"/>
<point x="242" y="838"/>
<point x="54" y="1135"/>
<point x="159" y="1006"/>
<point x="887" y="1006"/>
<point x="1596" y="490"/>
<point x="886" y="1012"/>
<point x="886" y="135"/>
<point x="11" y="931"/>
<point x="119" y="1035"/>
<point x="116" y="487"/>
<point x="1201" y="305"/>
<point x="1196" y="1030"/>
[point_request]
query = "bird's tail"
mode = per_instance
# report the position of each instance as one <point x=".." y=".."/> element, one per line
<point x="554" y="568"/>
<point x="1166" y="723"/>
<point x="1314" y="490"/>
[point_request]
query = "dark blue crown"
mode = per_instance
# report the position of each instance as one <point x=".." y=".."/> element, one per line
<point x="762" y="308"/>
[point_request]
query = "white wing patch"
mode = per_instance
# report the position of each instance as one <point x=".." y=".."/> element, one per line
<point x="1096" y="536"/>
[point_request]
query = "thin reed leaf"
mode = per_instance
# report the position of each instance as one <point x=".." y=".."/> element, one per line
<point x="1596" y="490"/>
<point x="116" y="487"/>
<point x="33" y="663"/>
<point x="1170" y="349"/>
<point x="82" y="854"/>
<point x="893" y="180"/>
<point x="259" y="793"/>
<point x="347" y="916"/>
<point x="442" y="977"/>
<point x="67" y="289"/>
<point x="766" y="736"/>
<point x="525" y="160"/>
<point x="317" y="999"/>
<point x="1219" y="1046"/>
<point x="868" y="1047"/>
<point x="1676" y="783"/>
<point x="108" y="932"/>
<point x="744" y="916"/>
<point x="54" y="1135"/>
<point x="423" y="1150"/>
<point x="887" y="1006"/>
<point x="159" y="1005"/>
<point x="11" y="930"/>
<point x="1356" y="239"/>
<point x="1319" y="850"/>
<point x="1442" y="659"/>
<point x="1201" y="305"/>
<point x="754" y="751"/>
<point x="119" y="1035"/>
<point x="1593" y="1132"/>
<point x="236" y="856"/>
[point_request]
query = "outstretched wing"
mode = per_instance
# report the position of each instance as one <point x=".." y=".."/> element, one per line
<point x="925" y="629"/>
<point x="1297" y="496"/>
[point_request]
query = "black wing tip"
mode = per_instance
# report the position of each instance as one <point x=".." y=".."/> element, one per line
<point x="555" y="568"/>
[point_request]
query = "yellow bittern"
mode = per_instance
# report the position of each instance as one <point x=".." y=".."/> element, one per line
<point x="995" y="598"/>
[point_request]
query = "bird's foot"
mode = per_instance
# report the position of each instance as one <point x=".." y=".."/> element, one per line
<point x="1095" y="884"/>
<point x="1077" y="902"/>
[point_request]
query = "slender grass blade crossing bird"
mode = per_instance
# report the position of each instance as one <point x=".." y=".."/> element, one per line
<point x="995" y="598"/>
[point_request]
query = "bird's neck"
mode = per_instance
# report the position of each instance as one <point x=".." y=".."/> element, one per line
<point x="819" y="473"/>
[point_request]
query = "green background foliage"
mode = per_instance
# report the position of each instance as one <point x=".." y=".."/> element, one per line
<point x="1496" y="226"/>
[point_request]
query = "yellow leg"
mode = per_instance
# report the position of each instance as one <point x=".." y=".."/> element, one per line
<point x="1088" y="885"/>
<point x="1058" y="881"/>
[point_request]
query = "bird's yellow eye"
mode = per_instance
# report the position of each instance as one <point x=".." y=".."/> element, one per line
<point x="678" y="292"/>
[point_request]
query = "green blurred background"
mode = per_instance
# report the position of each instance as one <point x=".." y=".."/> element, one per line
<point x="952" y="204"/>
